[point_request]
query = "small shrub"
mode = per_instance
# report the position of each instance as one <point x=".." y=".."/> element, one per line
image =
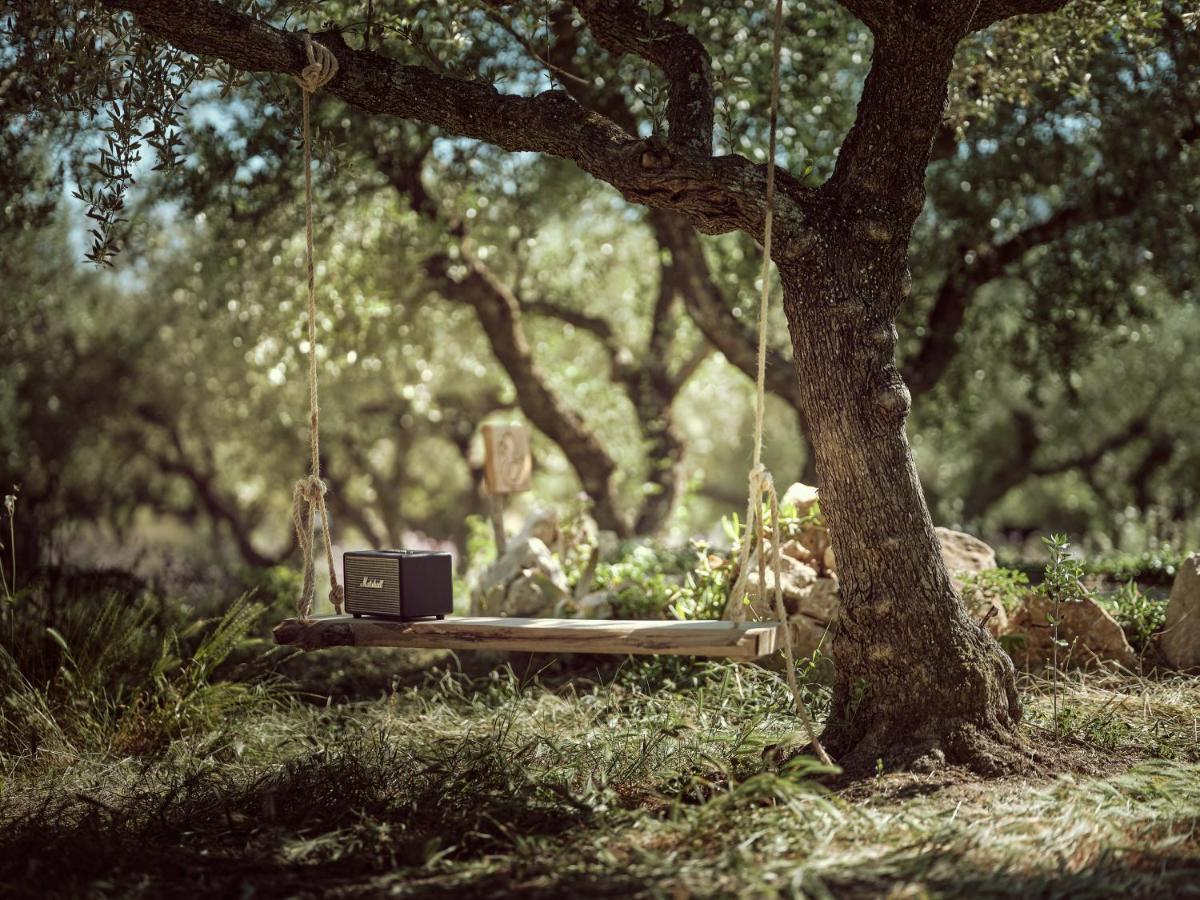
<point x="1063" y="584"/>
<point x="651" y="582"/>
<point x="1139" y="613"/>
<point x="105" y="676"/>
<point x="1007" y="587"/>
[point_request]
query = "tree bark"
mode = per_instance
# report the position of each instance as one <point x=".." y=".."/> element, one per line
<point x="918" y="683"/>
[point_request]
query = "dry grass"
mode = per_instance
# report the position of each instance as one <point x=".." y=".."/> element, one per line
<point x="656" y="781"/>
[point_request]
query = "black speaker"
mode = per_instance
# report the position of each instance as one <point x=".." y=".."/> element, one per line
<point x="405" y="584"/>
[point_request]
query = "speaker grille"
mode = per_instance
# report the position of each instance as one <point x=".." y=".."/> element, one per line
<point x="384" y="600"/>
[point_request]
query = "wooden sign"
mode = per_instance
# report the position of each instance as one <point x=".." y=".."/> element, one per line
<point x="507" y="464"/>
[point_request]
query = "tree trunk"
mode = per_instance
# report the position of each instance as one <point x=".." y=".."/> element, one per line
<point x="918" y="683"/>
<point x="664" y="481"/>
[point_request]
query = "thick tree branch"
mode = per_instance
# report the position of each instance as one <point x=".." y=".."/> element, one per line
<point x="718" y="194"/>
<point x="982" y="264"/>
<point x="692" y="364"/>
<point x="712" y="315"/>
<point x="878" y="184"/>
<point x="594" y="325"/>
<point x="625" y="27"/>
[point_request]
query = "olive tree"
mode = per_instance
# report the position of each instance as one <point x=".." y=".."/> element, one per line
<point x="918" y="682"/>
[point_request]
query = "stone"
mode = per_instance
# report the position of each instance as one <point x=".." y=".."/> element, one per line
<point x="596" y="605"/>
<point x="819" y="601"/>
<point x="829" y="562"/>
<point x="809" y="635"/>
<point x="797" y="551"/>
<point x="993" y="613"/>
<point x="1180" y="638"/>
<point x="1092" y="635"/>
<point x="526" y="581"/>
<point x="964" y="554"/>
<point x="543" y="525"/>
<point x="794" y="577"/>
<point x="805" y="591"/>
<point x="800" y="495"/>
<point x="816" y="539"/>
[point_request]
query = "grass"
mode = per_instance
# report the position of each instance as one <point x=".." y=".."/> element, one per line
<point x="142" y="755"/>
<point x="656" y="782"/>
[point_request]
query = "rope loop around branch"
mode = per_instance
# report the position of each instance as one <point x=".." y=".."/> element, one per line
<point x="322" y="66"/>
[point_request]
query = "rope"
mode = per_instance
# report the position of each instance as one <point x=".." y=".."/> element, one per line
<point x="761" y="482"/>
<point x="308" y="496"/>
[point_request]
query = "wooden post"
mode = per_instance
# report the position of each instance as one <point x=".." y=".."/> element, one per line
<point x="497" y="506"/>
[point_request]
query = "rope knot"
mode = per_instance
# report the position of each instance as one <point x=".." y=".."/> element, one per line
<point x="312" y="488"/>
<point x="322" y="66"/>
<point x="337" y="597"/>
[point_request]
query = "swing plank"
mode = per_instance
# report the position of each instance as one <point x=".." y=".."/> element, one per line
<point x="745" y="640"/>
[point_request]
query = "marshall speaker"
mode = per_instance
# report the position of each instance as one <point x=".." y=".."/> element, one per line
<point x="406" y="584"/>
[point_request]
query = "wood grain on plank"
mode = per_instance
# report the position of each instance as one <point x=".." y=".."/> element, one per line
<point x="746" y="640"/>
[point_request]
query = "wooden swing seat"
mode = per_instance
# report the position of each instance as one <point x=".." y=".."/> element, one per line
<point x="742" y="640"/>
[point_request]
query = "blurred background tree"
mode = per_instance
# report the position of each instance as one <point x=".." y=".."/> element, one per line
<point x="461" y="285"/>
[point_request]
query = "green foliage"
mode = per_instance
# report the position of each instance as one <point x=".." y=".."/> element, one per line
<point x="1063" y="576"/>
<point x="1084" y="334"/>
<point x="1062" y="583"/>
<point x="654" y="582"/>
<point x="108" y="674"/>
<point x="1156" y="566"/>
<point x="1140" y="613"/>
<point x="657" y="780"/>
<point x="1008" y="587"/>
<point x="644" y="580"/>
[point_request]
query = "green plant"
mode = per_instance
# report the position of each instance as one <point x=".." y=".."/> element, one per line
<point x="1138" y="612"/>
<point x="1062" y="584"/>
<point x="1157" y="566"/>
<point x="648" y="581"/>
<point x="644" y="580"/>
<point x="105" y="673"/>
<point x="9" y="584"/>
<point x="1007" y="587"/>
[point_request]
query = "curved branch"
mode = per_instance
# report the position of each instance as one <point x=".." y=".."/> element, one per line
<point x="718" y="194"/>
<point x="499" y="313"/>
<point x="988" y="261"/>
<point x="625" y="27"/>
<point x="985" y="263"/>
<point x="712" y="315"/>
<point x="594" y="325"/>
<point x="1022" y="465"/>
<point x="203" y="481"/>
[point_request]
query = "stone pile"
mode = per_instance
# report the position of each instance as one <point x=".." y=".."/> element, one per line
<point x="528" y="580"/>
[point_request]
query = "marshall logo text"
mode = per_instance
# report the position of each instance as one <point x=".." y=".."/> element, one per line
<point x="373" y="583"/>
